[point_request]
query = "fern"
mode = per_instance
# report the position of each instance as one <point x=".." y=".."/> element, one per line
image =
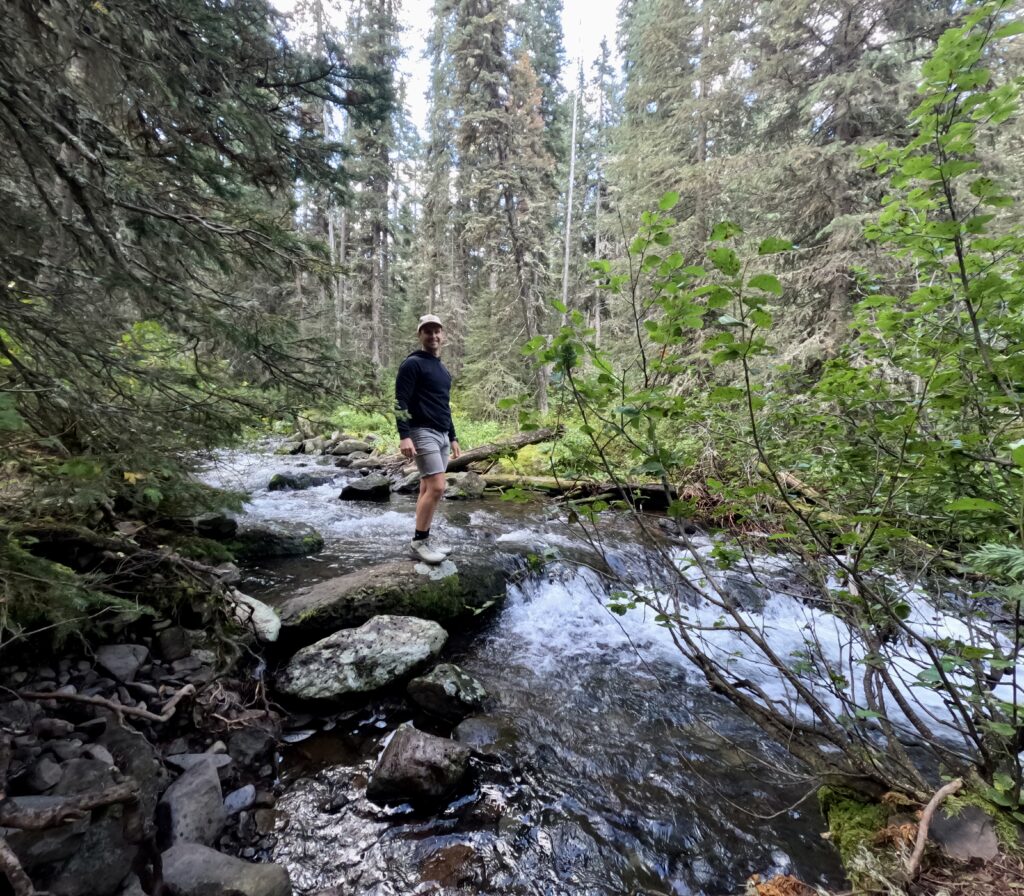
<point x="1003" y="560"/>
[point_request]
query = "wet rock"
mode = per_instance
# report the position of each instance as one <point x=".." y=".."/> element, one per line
<point x="266" y="542"/>
<point x="408" y="484"/>
<point x="448" y="692"/>
<point x="173" y="643"/>
<point x="464" y="485"/>
<point x="100" y="753"/>
<point x="190" y="869"/>
<point x="65" y="750"/>
<point x="185" y="761"/>
<point x="82" y="775"/>
<point x="370" y="462"/>
<point x="45" y="773"/>
<point x="35" y="848"/>
<point x="346" y="447"/>
<point x="417" y="767"/>
<point x="192" y="808"/>
<point x="101" y="862"/>
<point x="239" y="800"/>
<point x="217" y="526"/>
<point x="359" y="661"/>
<point x="970" y="834"/>
<point x="266" y="821"/>
<point x="484" y="734"/>
<point x="48" y="728"/>
<point x="228" y="573"/>
<point x="248" y="745"/>
<point x="17" y="715"/>
<point x="368" y="488"/>
<point x="281" y="482"/>
<point x="444" y="593"/>
<point x="256" y="615"/>
<point x="314" y="446"/>
<point x="352" y="459"/>
<point x="122" y="661"/>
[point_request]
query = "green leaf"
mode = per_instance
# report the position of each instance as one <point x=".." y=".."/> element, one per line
<point x="668" y="201"/>
<point x="766" y="283"/>
<point x="722" y="394"/>
<point x="725" y="260"/>
<point x="724" y="230"/>
<point x="761" y="319"/>
<point x="1011" y="30"/>
<point x="774" y="244"/>
<point x="969" y="504"/>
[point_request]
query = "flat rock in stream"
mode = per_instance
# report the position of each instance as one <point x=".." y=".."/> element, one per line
<point x="268" y="542"/>
<point x="417" y="767"/>
<point x="384" y="651"/>
<point x="190" y="869"/>
<point x="445" y="593"/>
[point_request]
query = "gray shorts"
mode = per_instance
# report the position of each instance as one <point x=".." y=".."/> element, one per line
<point x="432" y="449"/>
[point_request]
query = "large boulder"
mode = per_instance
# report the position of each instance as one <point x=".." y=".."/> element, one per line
<point x="445" y="593"/>
<point x="384" y="651"/>
<point x="464" y="485"/>
<point x="281" y="482"/>
<point x="447" y="692"/>
<point x="273" y="542"/>
<point x="367" y="488"/>
<point x="349" y="446"/>
<point x="190" y="869"/>
<point x="192" y="808"/>
<point x="122" y="661"/>
<point x="417" y="767"/>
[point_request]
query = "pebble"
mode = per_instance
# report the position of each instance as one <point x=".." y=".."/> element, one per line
<point x="265" y="799"/>
<point x="93" y="727"/>
<point x="266" y="821"/>
<point x="66" y="750"/>
<point x="83" y="666"/>
<point x="218" y="746"/>
<point x="44" y="775"/>
<point x="100" y="753"/>
<point x="48" y="728"/>
<point x="239" y="800"/>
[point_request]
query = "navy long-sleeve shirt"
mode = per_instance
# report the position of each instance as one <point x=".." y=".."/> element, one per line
<point x="422" y="395"/>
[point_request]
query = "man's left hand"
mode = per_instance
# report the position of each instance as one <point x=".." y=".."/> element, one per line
<point x="456" y="450"/>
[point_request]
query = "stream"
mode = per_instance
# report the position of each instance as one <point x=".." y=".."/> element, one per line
<point x="610" y="767"/>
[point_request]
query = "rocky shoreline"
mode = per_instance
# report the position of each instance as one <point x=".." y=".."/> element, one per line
<point x="149" y="764"/>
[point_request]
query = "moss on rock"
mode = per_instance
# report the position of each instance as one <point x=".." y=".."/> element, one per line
<point x="853" y="825"/>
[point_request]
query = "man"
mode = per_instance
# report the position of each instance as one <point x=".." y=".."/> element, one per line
<point x="422" y="396"/>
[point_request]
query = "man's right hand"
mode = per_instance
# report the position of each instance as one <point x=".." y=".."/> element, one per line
<point x="407" y="448"/>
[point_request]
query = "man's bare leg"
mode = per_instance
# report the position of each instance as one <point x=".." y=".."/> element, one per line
<point x="431" y="491"/>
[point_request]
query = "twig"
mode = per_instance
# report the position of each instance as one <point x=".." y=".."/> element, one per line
<point x="10" y="866"/>
<point x="114" y="705"/>
<point x="926" y="817"/>
<point x="71" y="809"/>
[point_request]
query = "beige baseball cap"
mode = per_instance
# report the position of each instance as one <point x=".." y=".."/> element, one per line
<point x="429" y="319"/>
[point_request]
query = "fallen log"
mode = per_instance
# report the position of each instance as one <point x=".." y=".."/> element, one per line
<point x="495" y="450"/>
<point x="491" y="451"/>
<point x="647" y="495"/>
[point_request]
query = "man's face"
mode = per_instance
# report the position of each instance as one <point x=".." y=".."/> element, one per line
<point x="431" y="337"/>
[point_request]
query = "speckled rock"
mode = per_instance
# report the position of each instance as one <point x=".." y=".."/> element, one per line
<point x="384" y="651"/>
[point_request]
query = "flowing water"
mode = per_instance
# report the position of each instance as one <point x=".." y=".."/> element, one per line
<point x="611" y="768"/>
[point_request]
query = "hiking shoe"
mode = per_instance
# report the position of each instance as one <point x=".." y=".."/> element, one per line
<point x="425" y="551"/>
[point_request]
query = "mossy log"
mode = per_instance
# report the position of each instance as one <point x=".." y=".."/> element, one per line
<point x="489" y="452"/>
<point x="648" y="495"/>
